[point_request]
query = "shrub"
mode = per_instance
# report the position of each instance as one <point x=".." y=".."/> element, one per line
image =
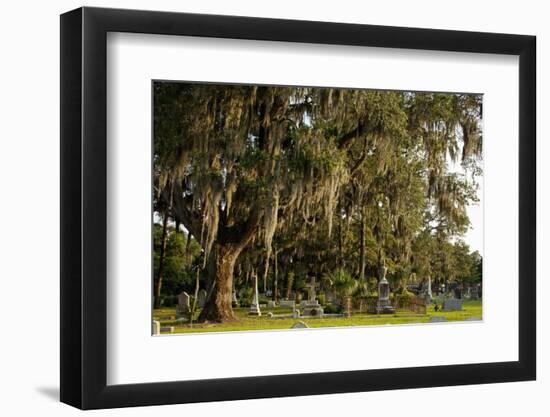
<point x="332" y="309"/>
<point x="245" y="296"/>
<point x="322" y="299"/>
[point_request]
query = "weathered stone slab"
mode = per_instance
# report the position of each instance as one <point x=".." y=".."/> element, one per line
<point x="312" y="308"/>
<point x="201" y="298"/>
<point x="184" y="300"/>
<point x="300" y="325"/>
<point x="452" y="304"/>
<point x="167" y="329"/>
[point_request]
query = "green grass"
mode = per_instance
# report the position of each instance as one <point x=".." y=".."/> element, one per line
<point x="245" y="322"/>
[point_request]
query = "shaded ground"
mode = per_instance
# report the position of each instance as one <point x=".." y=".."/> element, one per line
<point x="167" y="317"/>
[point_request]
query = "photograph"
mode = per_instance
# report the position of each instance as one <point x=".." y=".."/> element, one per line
<point x="299" y="207"/>
<point x="274" y="209"/>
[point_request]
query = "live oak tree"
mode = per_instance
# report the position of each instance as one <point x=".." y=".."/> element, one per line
<point x="240" y="166"/>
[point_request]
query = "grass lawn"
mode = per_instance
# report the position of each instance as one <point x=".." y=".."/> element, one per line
<point x="167" y="317"/>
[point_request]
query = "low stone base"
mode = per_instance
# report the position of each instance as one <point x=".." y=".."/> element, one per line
<point x="312" y="309"/>
<point x="384" y="307"/>
<point x="385" y="310"/>
<point x="167" y="329"/>
<point x="254" y="310"/>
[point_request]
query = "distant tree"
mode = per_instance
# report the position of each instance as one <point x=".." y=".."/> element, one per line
<point x="178" y="261"/>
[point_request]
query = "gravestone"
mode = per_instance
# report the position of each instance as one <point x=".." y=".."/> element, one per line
<point x="300" y="325"/>
<point x="184" y="300"/>
<point x="384" y="305"/>
<point x="255" y="306"/>
<point x="426" y="291"/>
<point x="201" y="298"/>
<point x="167" y="329"/>
<point x="234" y="301"/>
<point x="437" y="319"/>
<point x="183" y="308"/>
<point x="156" y="327"/>
<point x="271" y="304"/>
<point x="311" y="307"/>
<point x="295" y="314"/>
<point x="452" y="304"/>
<point x="270" y="315"/>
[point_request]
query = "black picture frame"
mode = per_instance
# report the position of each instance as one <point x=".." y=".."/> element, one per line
<point x="84" y="207"/>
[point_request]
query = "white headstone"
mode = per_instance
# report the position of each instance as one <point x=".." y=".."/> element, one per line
<point x="183" y="299"/>
<point x="254" y="306"/>
<point x="156" y="327"/>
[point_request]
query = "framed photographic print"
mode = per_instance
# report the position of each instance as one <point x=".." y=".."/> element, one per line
<point x="255" y="208"/>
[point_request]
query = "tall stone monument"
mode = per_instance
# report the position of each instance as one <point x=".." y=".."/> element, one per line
<point x="426" y="291"/>
<point x="312" y="307"/>
<point x="384" y="305"/>
<point x="255" y="306"/>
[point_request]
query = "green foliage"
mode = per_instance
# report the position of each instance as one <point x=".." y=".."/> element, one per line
<point x="322" y="299"/>
<point x="332" y="309"/>
<point x="245" y="296"/>
<point x="179" y="262"/>
<point x="342" y="282"/>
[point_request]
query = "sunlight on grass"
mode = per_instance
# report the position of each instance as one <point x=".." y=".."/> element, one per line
<point x="245" y="322"/>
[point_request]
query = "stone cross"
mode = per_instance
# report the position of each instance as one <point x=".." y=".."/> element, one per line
<point x="311" y="289"/>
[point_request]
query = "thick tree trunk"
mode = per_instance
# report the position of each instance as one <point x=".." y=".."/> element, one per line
<point x="158" y="281"/>
<point x="221" y="264"/>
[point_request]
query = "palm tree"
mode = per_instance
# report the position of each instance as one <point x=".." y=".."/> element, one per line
<point x="344" y="285"/>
